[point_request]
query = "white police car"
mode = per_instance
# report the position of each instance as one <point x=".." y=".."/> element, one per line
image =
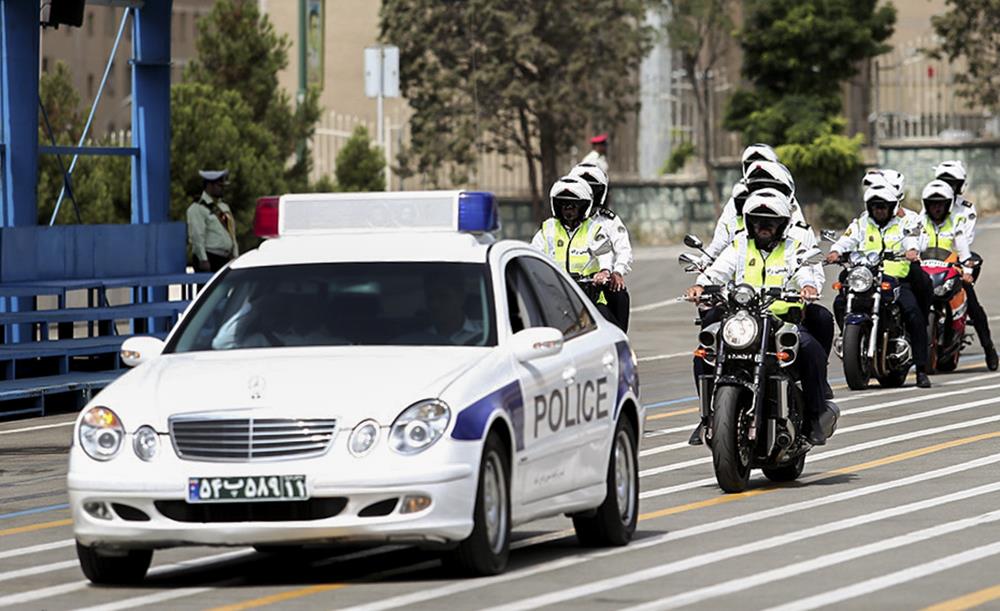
<point x="383" y="370"/>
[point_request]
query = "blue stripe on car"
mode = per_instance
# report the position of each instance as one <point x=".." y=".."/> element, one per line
<point x="628" y="375"/>
<point x="471" y="421"/>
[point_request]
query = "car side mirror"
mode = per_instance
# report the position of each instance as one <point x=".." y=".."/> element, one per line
<point x="692" y="241"/>
<point x="141" y="349"/>
<point x="535" y="343"/>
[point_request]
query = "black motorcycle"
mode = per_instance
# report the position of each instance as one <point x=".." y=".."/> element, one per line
<point x="752" y="401"/>
<point x="874" y="342"/>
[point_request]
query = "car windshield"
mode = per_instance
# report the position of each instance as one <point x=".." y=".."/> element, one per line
<point x="340" y="304"/>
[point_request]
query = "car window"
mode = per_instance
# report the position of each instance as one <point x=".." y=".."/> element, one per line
<point x="522" y="303"/>
<point x="561" y="306"/>
<point x="339" y="304"/>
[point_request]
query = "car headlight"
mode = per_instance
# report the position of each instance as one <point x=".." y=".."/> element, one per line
<point x="419" y="426"/>
<point x="743" y="294"/>
<point x="363" y="438"/>
<point x="943" y="289"/>
<point x="101" y="433"/>
<point x="739" y="331"/>
<point x="145" y="442"/>
<point x="860" y="280"/>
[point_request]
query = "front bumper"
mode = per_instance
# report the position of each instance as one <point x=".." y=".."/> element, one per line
<point x="446" y="473"/>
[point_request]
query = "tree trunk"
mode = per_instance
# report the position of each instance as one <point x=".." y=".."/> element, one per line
<point x="537" y="211"/>
<point x="546" y="139"/>
<point x="703" y="98"/>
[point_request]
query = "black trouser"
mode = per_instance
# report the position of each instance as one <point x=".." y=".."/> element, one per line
<point x="809" y="365"/>
<point x="215" y="262"/>
<point x="819" y="322"/>
<point x="922" y="288"/>
<point x="913" y="318"/>
<point x="978" y="315"/>
<point x="619" y="303"/>
<point x="607" y="313"/>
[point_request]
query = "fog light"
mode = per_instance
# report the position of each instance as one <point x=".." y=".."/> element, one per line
<point x="101" y="511"/>
<point x="413" y="504"/>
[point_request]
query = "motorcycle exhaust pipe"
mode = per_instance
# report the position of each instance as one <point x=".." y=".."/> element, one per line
<point x="784" y="440"/>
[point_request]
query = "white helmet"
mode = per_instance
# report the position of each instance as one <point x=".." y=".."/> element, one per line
<point x="871" y="176"/>
<point x="757" y="152"/>
<point x="936" y="191"/>
<point x="881" y="193"/>
<point x="769" y="174"/>
<point x="572" y="188"/>
<point x="739" y="194"/>
<point x="595" y="177"/>
<point x="953" y="173"/>
<point x="767" y="203"/>
<point x="897" y="181"/>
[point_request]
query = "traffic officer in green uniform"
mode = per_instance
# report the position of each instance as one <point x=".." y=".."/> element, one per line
<point x="575" y="240"/>
<point x="882" y="229"/>
<point x="211" y="226"/>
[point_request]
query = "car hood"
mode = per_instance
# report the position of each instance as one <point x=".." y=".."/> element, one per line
<point x="351" y="384"/>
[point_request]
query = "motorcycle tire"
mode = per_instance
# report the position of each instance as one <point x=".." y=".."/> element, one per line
<point x="788" y="472"/>
<point x="732" y="471"/>
<point x="894" y="379"/>
<point x="932" y="337"/>
<point x="856" y="368"/>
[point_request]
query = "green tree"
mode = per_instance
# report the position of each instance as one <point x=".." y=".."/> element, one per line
<point x="796" y="54"/>
<point x="239" y="50"/>
<point x="970" y="30"/>
<point x="360" y="166"/>
<point x="699" y="30"/>
<point x="515" y="77"/>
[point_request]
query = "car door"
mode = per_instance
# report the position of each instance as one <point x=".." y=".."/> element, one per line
<point x="546" y="462"/>
<point x="592" y="390"/>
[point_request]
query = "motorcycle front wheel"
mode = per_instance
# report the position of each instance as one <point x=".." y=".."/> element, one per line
<point x="731" y="446"/>
<point x="857" y="367"/>
<point x="786" y="473"/>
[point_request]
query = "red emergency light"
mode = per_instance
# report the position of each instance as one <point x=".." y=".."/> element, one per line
<point x="265" y="217"/>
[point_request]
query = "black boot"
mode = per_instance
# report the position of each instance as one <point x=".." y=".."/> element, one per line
<point x="827" y="391"/>
<point x="922" y="380"/>
<point x="816" y="436"/>
<point x="695" y="439"/>
<point x="992" y="362"/>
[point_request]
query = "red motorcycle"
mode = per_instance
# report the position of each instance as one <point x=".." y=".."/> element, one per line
<point x="946" y="330"/>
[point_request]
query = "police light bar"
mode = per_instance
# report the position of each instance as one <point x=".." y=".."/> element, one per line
<point x="424" y="211"/>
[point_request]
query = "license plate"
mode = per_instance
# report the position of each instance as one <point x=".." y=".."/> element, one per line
<point x="248" y="488"/>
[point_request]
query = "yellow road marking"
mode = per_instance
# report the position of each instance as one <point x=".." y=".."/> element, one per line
<point x="281" y="597"/>
<point x="680" y="412"/>
<point x="33" y="527"/>
<point x="729" y="498"/>
<point x="968" y="601"/>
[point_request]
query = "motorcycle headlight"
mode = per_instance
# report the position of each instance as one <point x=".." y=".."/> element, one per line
<point x="101" y="433"/>
<point x="419" y="426"/>
<point x="739" y="331"/>
<point x="860" y="280"/>
<point x="743" y="294"/>
<point x="943" y="289"/>
<point x="146" y="443"/>
<point x="363" y="438"/>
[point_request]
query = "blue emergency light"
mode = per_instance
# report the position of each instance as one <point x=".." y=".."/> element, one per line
<point x="477" y="212"/>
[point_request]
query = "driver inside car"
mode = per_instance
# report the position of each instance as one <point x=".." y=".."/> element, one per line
<point x="766" y="256"/>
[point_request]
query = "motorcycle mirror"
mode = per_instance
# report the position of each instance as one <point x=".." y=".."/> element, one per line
<point x="692" y="269"/>
<point x="813" y="256"/>
<point x="688" y="259"/>
<point x="974" y="261"/>
<point x="712" y="289"/>
<point x="692" y="241"/>
<point x="774" y="291"/>
<point x="829" y="235"/>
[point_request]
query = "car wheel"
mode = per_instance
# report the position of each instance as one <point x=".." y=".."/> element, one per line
<point x="113" y="568"/>
<point x="614" y="522"/>
<point x="486" y="550"/>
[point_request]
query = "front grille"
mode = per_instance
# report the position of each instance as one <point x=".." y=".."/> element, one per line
<point x="252" y="511"/>
<point x="249" y="439"/>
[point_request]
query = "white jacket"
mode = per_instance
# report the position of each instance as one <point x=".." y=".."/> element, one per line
<point x="616" y="231"/>
<point x="856" y="231"/>
<point x="731" y="263"/>
<point x="726" y="229"/>
<point x="597" y="242"/>
<point x="968" y="210"/>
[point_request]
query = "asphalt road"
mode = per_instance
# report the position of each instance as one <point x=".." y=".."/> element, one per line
<point x="900" y="510"/>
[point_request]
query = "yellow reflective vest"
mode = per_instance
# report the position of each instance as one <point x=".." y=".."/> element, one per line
<point x="760" y="272"/>
<point x="891" y="239"/>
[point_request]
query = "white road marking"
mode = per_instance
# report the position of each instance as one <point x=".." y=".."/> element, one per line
<point x="661" y="357"/>
<point x="676" y="429"/>
<point x="893" y="579"/>
<point x="653" y="306"/>
<point x="814" y="564"/>
<point x="35" y="549"/>
<point x="706" y="559"/>
<point x="151" y="599"/>
<point x="38" y="428"/>
<point x="869" y="425"/>
<point x="38" y="570"/>
<point x="667" y="448"/>
<point x="881" y="392"/>
<point x="739" y="520"/>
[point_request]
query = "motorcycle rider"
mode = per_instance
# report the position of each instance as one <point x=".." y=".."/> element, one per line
<point x="881" y="228"/>
<point x="953" y="172"/>
<point x="944" y="227"/>
<point x="764" y="255"/>
<point x="617" y="296"/>
<point x="573" y="239"/>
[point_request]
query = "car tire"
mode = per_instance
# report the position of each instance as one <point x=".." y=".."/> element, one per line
<point x="118" y="568"/>
<point x="614" y="522"/>
<point x="486" y="550"/>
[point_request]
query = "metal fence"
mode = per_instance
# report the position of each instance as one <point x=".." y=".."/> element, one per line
<point x="913" y="97"/>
